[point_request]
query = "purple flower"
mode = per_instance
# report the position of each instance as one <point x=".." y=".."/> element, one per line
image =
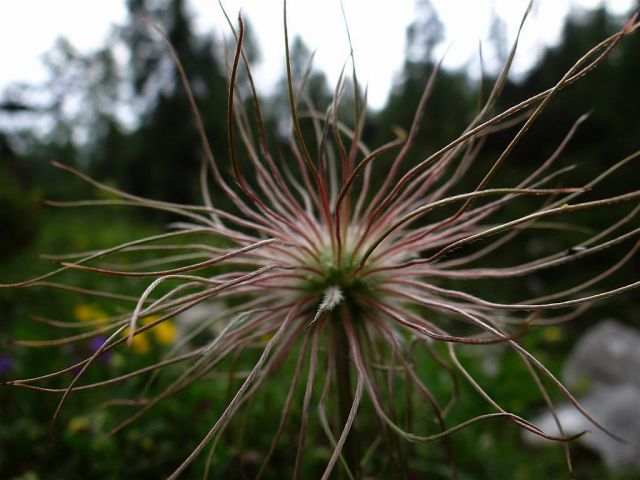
<point x="6" y="363"/>
<point x="95" y="343"/>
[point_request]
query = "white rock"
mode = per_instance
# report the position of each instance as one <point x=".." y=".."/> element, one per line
<point x="607" y="359"/>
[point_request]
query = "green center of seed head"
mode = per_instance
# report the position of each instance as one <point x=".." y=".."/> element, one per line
<point x="345" y="277"/>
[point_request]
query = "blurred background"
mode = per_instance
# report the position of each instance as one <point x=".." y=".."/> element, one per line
<point x="117" y="112"/>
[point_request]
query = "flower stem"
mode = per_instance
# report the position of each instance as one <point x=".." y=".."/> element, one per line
<point x="345" y="398"/>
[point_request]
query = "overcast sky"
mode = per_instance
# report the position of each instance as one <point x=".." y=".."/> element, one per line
<point x="29" y="27"/>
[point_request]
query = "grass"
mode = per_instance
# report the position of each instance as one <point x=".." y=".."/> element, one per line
<point x="83" y="449"/>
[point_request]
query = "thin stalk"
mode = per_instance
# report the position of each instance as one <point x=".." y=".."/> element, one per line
<point x="345" y="395"/>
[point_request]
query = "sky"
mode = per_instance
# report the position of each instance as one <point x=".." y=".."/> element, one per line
<point x="28" y="28"/>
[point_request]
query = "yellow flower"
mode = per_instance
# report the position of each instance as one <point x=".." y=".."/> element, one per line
<point x="89" y="313"/>
<point x="140" y="344"/>
<point x="79" y="424"/>
<point x="150" y="319"/>
<point x="165" y="332"/>
<point x="553" y="334"/>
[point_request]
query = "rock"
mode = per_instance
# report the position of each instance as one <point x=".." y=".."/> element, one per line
<point x="608" y="354"/>
<point x="605" y="362"/>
